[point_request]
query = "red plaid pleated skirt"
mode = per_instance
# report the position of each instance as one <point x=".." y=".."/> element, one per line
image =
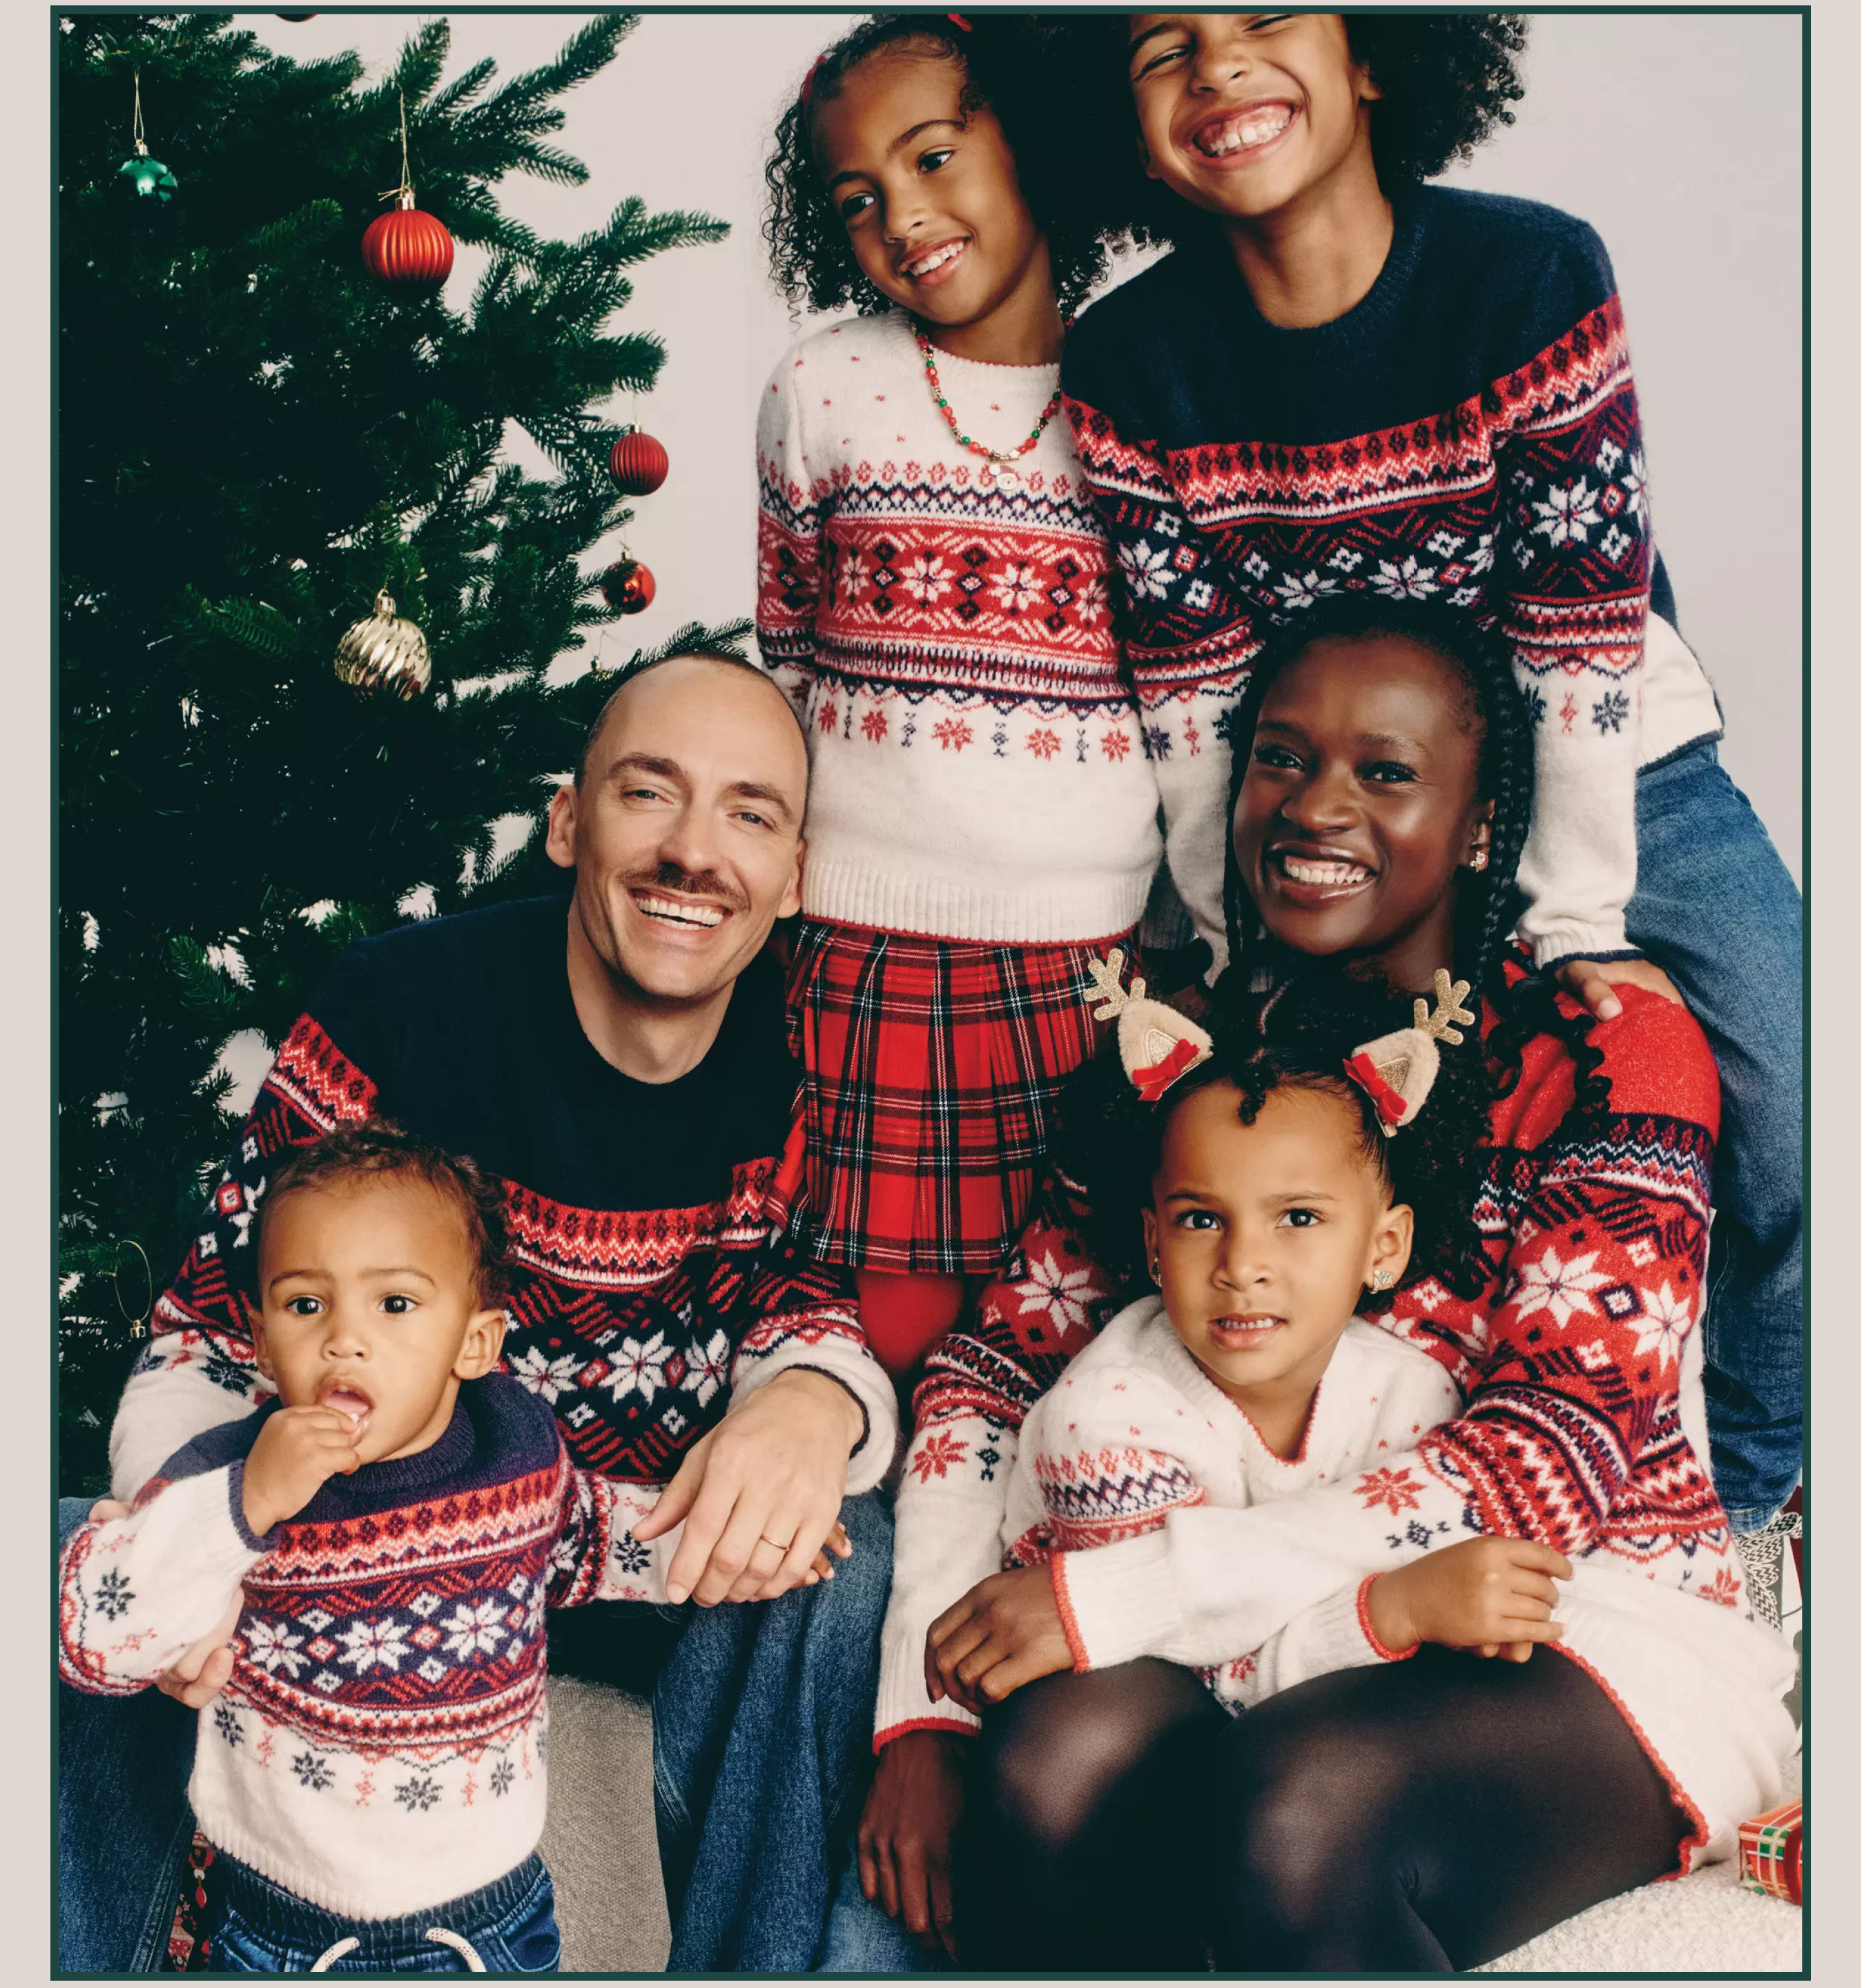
<point x="931" y="1068"/>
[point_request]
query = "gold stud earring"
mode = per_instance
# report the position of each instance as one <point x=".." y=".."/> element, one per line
<point x="1379" y="1280"/>
<point x="1152" y="1269"/>
<point x="1478" y="858"/>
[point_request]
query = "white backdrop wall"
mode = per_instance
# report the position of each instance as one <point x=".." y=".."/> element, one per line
<point x="1678" y="135"/>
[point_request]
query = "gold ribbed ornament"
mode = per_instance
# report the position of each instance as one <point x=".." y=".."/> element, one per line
<point x="384" y="653"/>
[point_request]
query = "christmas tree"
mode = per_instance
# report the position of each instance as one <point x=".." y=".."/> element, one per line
<point x="256" y="436"/>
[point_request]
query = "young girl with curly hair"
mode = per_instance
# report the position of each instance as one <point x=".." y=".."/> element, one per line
<point x="1264" y="1191"/>
<point x="932" y="593"/>
<point x="1346" y="382"/>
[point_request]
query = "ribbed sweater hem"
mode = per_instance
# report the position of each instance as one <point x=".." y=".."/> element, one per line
<point x="466" y="1863"/>
<point x="1057" y="911"/>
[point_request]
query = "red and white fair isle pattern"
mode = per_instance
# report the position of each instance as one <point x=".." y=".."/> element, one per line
<point x="984" y="763"/>
<point x="634" y="1326"/>
<point x="1570" y="1358"/>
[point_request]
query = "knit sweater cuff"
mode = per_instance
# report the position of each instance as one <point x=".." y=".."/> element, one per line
<point x="1117" y="1602"/>
<point x="1360" y="1609"/>
<point x="1556" y="944"/>
<point x="839" y="1359"/>
<point x="903" y="1705"/>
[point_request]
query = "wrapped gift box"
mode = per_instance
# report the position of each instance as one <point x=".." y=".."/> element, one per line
<point x="1773" y="1853"/>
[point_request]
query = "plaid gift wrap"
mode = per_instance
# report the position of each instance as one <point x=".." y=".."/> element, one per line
<point x="931" y="1068"/>
<point x="1773" y="1853"/>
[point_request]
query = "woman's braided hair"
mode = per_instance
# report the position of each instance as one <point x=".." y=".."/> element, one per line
<point x="1447" y="84"/>
<point x="1007" y="62"/>
<point x="1326" y="998"/>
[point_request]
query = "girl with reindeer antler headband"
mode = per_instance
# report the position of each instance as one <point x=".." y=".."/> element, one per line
<point x="1268" y="1194"/>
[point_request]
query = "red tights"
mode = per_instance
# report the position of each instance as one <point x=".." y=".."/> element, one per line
<point x="905" y="1316"/>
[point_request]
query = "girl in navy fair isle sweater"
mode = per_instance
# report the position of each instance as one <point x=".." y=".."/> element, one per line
<point x="1344" y="381"/>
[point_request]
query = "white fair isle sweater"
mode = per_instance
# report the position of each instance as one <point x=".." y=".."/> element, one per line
<point x="1136" y="1430"/>
<point x="379" y="1748"/>
<point x="982" y="766"/>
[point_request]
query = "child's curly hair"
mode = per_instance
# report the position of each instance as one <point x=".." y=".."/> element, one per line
<point x="1447" y="80"/>
<point x="1110" y="1138"/>
<point x="1008" y="62"/>
<point x="376" y="1148"/>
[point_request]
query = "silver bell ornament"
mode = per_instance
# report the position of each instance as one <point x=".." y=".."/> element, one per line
<point x="384" y="653"/>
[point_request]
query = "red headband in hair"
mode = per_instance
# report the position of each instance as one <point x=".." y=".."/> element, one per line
<point x="958" y="21"/>
<point x="808" y="81"/>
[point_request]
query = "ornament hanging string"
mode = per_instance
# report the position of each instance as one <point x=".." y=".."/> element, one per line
<point x="139" y="1320"/>
<point x="135" y="126"/>
<point x="403" y="195"/>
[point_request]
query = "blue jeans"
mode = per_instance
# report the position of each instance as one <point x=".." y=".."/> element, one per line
<point x="763" y="1740"/>
<point x="261" y="1929"/>
<point x="861" y="1939"/>
<point x="1716" y="908"/>
<point x="763" y="1727"/>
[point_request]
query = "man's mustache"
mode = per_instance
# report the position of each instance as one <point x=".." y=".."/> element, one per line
<point x="708" y="883"/>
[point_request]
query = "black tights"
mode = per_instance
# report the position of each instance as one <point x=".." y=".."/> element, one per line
<point x="1420" y="1817"/>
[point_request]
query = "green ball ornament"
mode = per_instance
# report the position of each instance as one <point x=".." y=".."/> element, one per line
<point x="150" y="176"/>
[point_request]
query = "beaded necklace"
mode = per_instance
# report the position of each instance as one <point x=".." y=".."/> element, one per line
<point x="999" y="459"/>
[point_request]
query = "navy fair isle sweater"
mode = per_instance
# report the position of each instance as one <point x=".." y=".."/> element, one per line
<point x="646" y="1288"/>
<point x="1467" y="434"/>
<point x="379" y="1745"/>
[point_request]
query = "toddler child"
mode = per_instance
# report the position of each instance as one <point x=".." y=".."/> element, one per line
<point x="986" y="779"/>
<point x="1345" y="381"/>
<point x="1265" y="1190"/>
<point x="372" y="1774"/>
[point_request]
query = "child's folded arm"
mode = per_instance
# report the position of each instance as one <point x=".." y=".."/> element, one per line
<point x="136" y="1593"/>
<point x="1334" y="1634"/>
<point x="1573" y="548"/>
<point x="1184" y="636"/>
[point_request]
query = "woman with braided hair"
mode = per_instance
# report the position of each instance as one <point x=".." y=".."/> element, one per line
<point x="1421" y="1814"/>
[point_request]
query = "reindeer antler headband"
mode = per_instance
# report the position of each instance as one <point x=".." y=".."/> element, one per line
<point x="1157" y="1045"/>
<point x="1396" y="1071"/>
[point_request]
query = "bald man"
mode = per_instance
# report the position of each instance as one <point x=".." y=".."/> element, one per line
<point x="618" y="1059"/>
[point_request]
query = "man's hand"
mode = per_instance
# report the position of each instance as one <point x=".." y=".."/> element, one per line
<point x="1494" y="1595"/>
<point x="1590" y="980"/>
<point x="1005" y="1633"/>
<point x="196" y="1676"/>
<point x="903" y="1847"/>
<point x="298" y="1451"/>
<point x="760" y="1493"/>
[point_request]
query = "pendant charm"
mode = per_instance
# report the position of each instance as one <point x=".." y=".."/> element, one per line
<point x="1000" y="472"/>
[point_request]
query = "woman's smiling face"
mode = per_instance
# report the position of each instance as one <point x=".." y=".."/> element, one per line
<point x="1360" y="803"/>
<point x="1241" y="114"/>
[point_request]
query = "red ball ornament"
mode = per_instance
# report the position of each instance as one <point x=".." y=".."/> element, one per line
<point x="638" y="463"/>
<point x="628" y="587"/>
<point x="406" y="246"/>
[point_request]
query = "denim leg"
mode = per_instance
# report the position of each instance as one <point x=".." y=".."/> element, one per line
<point x="124" y="1824"/>
<point x="763" y="1735"/>
<point x="1716" y="908"/>
<point x="861" y="1939"/>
